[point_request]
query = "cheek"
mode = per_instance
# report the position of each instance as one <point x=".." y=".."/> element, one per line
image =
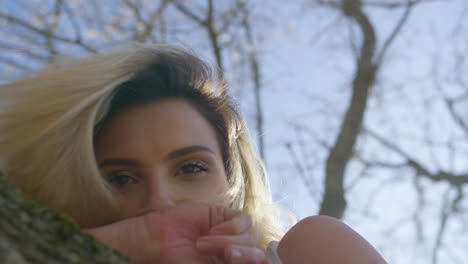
<point x="129" y="206"/>
<point x="214" y="193"/>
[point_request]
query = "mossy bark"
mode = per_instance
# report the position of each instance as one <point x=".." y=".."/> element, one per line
<point x="31" y="233"/>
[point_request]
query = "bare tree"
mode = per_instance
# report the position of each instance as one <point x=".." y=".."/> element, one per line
<point x="38" y="32"/>
<point x="208" y="23"/>
<point x="61" y="30"/>
<point x="367" y="66"/>
<point x="255" y="72"/>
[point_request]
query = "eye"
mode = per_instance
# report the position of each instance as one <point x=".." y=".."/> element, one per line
<point x="122" y="178"/>
<point x="192" y="167"/>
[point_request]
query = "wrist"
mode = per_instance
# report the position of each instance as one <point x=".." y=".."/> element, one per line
<point x="130" y="237"/>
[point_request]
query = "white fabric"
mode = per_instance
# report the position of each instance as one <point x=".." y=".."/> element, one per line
<point x="272" y="252"/>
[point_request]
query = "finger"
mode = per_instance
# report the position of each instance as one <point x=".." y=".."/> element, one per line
<point x="216" y="215"/>
<point x="217" y="244"/>
<point x="235" y="254"/>
<point x="236" y="222"/>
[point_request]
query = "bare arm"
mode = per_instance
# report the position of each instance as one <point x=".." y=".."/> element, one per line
<point x="322" y="239"/>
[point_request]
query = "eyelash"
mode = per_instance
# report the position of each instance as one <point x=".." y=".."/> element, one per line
<point x="116" y="175"/>
<point x="196" y="167"/>
<point x="199" y="166"/>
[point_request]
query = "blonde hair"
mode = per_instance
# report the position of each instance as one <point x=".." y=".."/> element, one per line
<point x="48" y="121"/>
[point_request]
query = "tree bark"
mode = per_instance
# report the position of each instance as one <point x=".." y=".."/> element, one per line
<point x="31" y="233"/>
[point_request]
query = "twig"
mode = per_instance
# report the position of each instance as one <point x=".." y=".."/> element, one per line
<point x="396" y="30"/>
<point x="453" y="179"/>
<point x="46" y="33"/>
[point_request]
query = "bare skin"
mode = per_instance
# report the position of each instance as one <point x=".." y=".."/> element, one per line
<point x="162" y="156"/>
<point x="165" y="159"/>
<point x="326" y="240"/>
<point x="191" y="233"/>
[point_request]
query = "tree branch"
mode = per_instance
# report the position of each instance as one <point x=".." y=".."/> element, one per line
<point x="421" y="170"/>
<point x="209" y="24"/>
<point x="449" y="103"/>
<point x="445" y="215"/>
<point x="256" y="77"/>
<point x="182" y="8"/>
<point x="334" y="202"/>
<point x="395" y="4"/>
<point x="403" y="19"/>
<point x="45" y="33"/>
<point x="73" y="22"/>
<point x="301" y="171"/>
<point x="155" y="16"/>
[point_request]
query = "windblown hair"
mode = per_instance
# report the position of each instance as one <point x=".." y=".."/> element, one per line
<point x="48" y="122"/>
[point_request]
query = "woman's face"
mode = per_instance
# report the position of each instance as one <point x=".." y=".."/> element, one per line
<point x="159" y="155"/>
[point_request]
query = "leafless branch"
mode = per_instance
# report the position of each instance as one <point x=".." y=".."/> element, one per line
<point x="148" y="26"/>
<point x="448" y="208"/>
<point x="157" y="15"/>
<point x="51" y="28"/>
<point x="396" y="30"/>
<point x="208" y="23"/>
<point x="376" y="4"/>
<point x="326" y="29"/>
<point x="182" y="8"/>
<point x="360" y="176"/>
<point x="229" y="17"/>
<point x="301" y="171"/>
<point x="443" y="223"/>
<point x="453" y="179"/>
<point x="334" y="202"/>
<point x="395" y="4"/>
<point x="256" y="76"/>
<point x="449" y="103"/>
<point x="418" y="221"/>
<point x="73" y="22"/>
<point x="58" y="5"/>
<point x="45" y="33"/>
<point x="381" y="164"/>
<point x="130" y="4"/>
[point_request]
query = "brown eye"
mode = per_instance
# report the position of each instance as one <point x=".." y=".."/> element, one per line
<point x="122" y="178"/>
<point x="192" y="167"/>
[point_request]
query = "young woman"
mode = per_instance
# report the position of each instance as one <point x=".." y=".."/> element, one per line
<point x="142" y="149"/>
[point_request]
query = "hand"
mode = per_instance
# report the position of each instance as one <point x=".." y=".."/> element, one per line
<point x="194" y="234"/>
<point x="229" y="238"/>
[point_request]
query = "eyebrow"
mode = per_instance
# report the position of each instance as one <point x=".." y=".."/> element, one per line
<point x="119" y="162"/>
<point x="187" y="150"/>
<point x="170" y="156"/>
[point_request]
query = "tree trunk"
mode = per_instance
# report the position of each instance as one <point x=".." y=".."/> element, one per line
<point x="31" y="233"/>
<point x="334" y="202"/>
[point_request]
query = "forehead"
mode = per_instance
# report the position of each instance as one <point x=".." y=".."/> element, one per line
<point x="160" y="126"/>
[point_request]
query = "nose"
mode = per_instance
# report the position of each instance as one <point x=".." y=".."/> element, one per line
<point x="159" y="197"/>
